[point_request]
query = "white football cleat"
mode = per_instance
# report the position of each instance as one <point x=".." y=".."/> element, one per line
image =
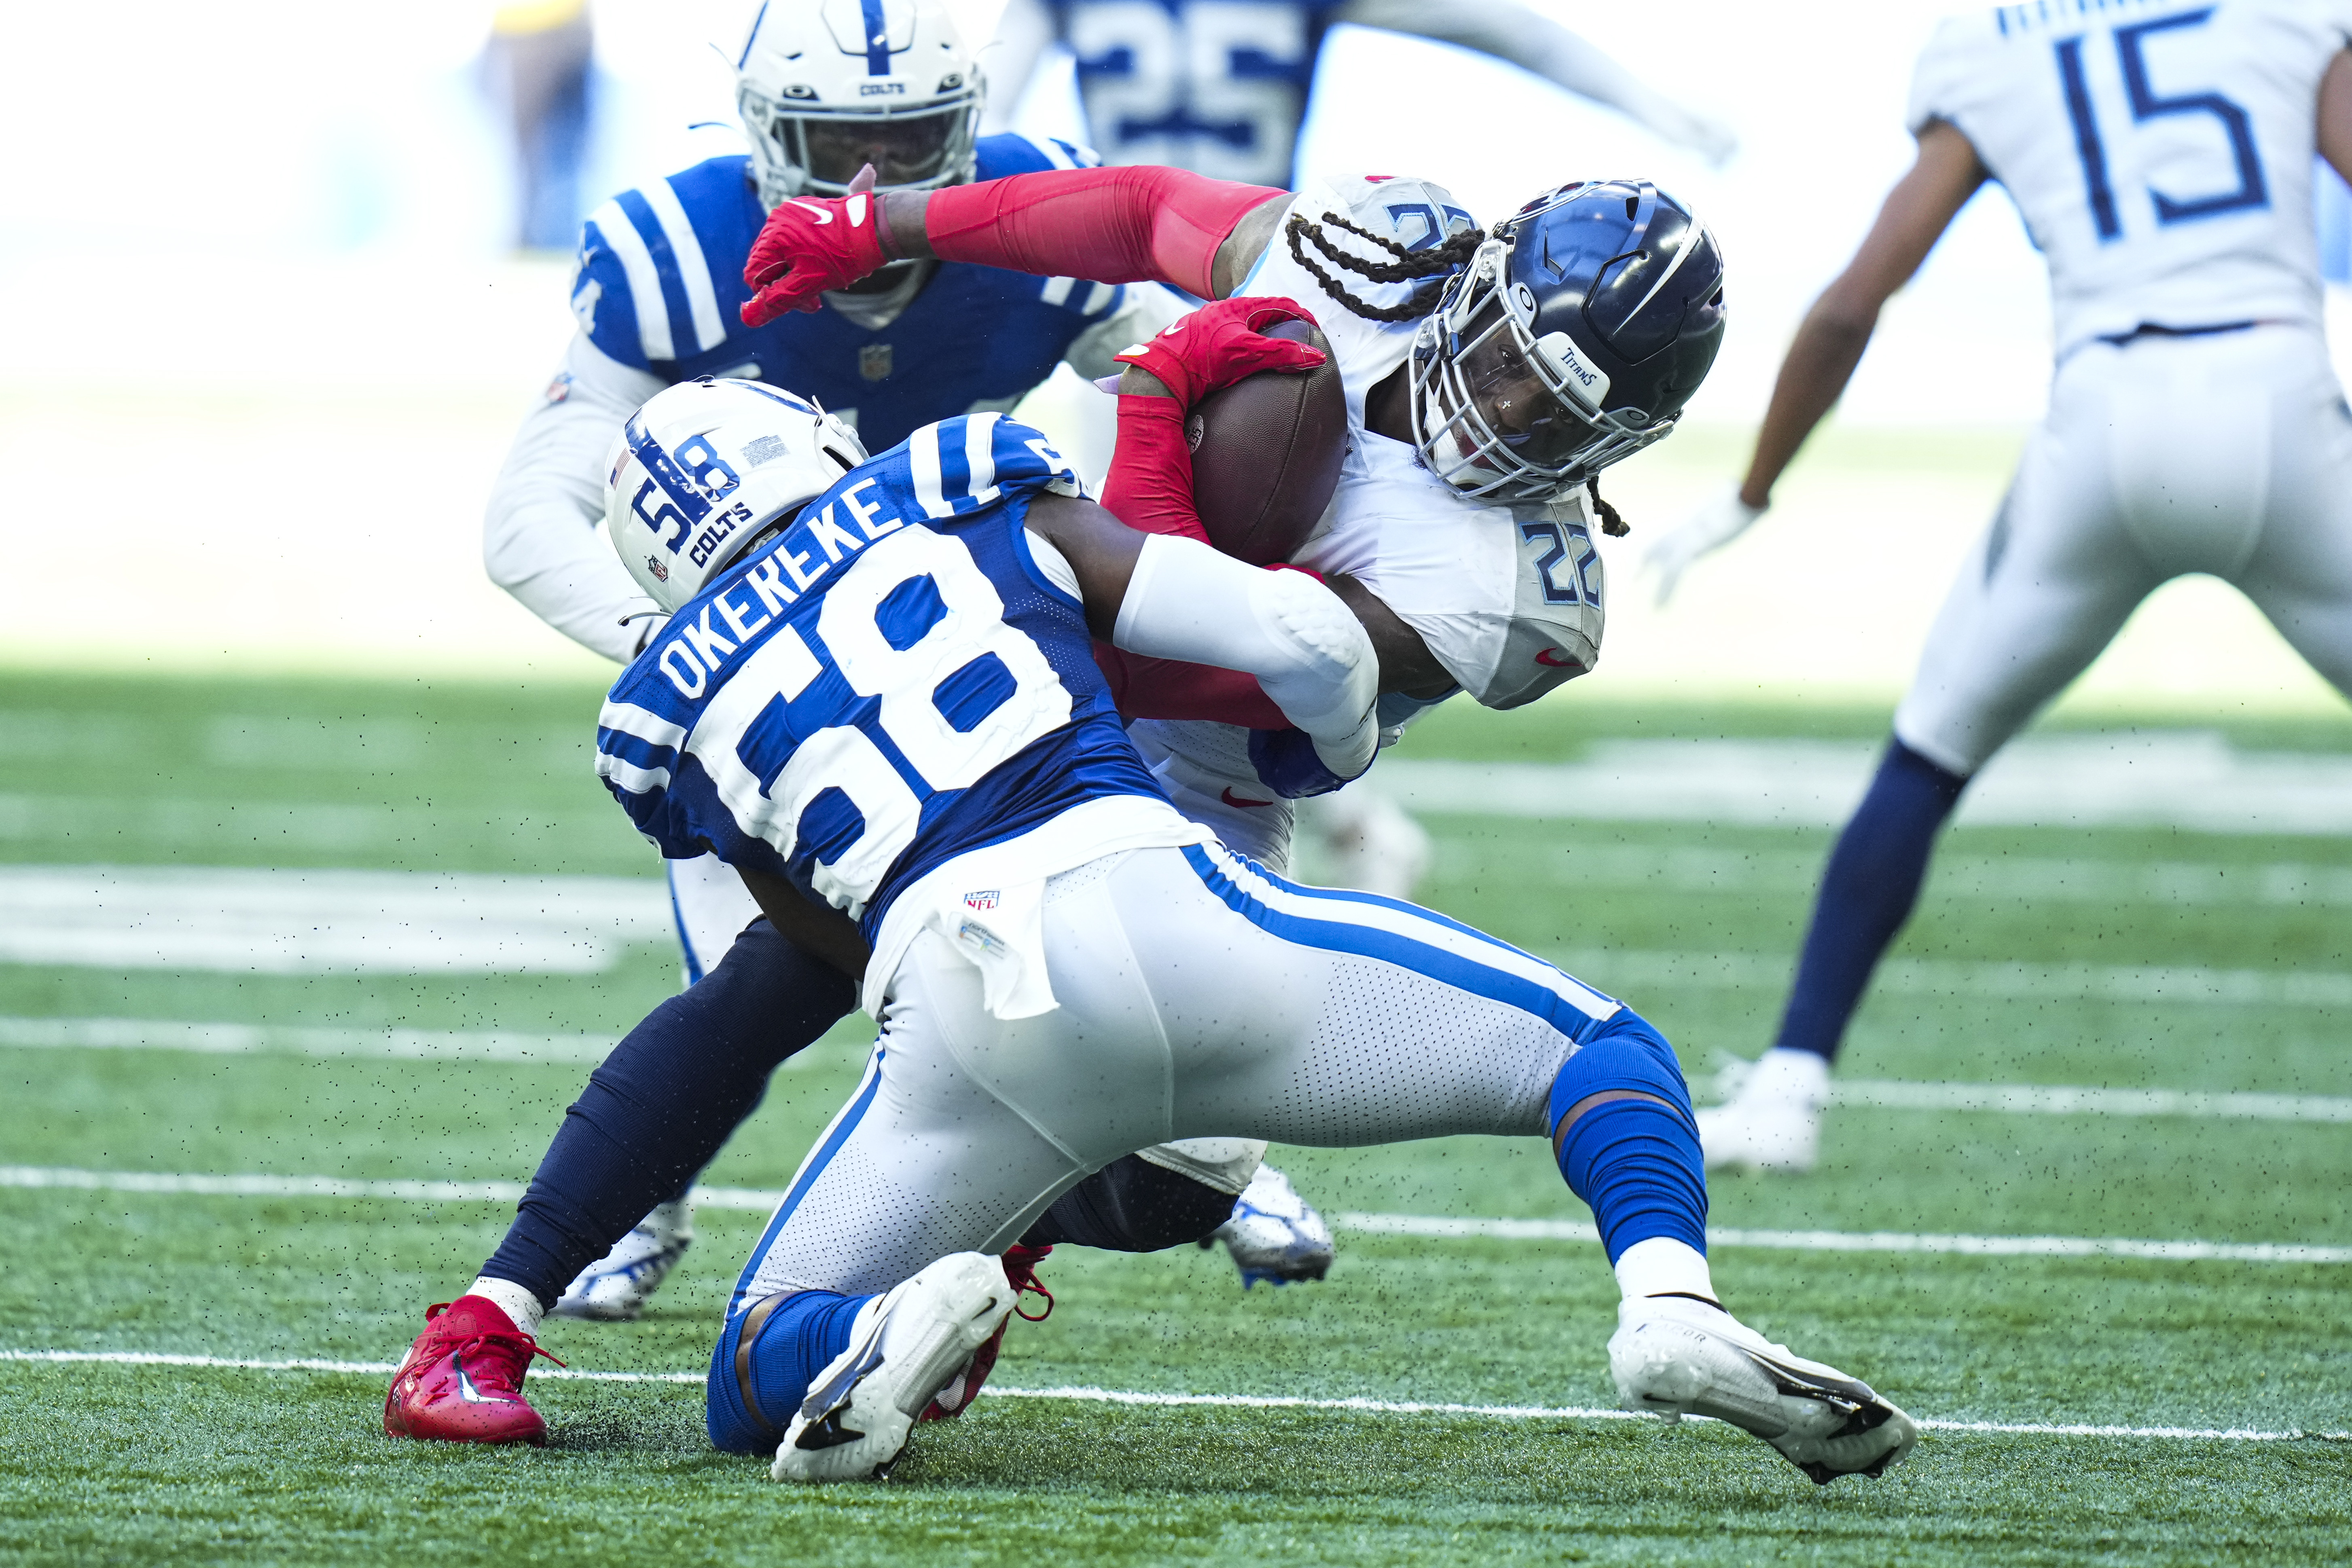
<point x="1773" y="1122"/>
<point x="904" y="1347"/>
<point x="1274" y="1234"/>
<point x="1677" y="1355"/>
<point x="615" y="1288"/>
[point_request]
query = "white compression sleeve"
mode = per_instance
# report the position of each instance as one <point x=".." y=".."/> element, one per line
<point x="1186" y="602"/>
<point x="544" y="532"/>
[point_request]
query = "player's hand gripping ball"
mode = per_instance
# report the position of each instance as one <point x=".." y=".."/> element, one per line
<point x="1222" y="343"/>
<point x="1267" y="421"/>
<point x="811" y="244"/>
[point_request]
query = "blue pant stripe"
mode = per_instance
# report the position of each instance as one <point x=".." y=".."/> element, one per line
<point x="843" y="1126"/>
<point x="1391" y="947"/>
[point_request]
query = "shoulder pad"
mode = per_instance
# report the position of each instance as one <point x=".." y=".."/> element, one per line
<point x="654" y="300"/>
<point x="1415" y="213"/>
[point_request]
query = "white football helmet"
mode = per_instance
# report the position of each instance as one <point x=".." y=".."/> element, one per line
<point x="700" y="472"/>
<point x="827" y="85"/>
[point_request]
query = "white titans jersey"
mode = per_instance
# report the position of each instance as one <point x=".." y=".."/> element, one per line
<point x="1508" y="597"/>
<point x="2160" y="151"/>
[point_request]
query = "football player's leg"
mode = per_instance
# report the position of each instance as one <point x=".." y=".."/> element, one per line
<point x="2043" y="591"/>
<point x="964" y="1130"/>
<point x="710" y="907"/>
<point x="663" y="1103"/>
<point x="2299" y="573"/>
<point x="1314" y="1017"/>
<point x="651" y="1117"/>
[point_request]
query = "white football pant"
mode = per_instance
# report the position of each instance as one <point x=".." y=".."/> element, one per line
<point x="2230" y="453"/>
<point x="1198" y="996"/>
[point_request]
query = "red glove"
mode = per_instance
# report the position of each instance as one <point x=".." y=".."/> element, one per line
<point x="1222" y="342"/>
<point x="811" y="244"/>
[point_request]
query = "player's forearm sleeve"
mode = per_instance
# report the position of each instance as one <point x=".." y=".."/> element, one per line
<point x="542" y="532"/>
<point x="1113" y="225"/>
<point x="1186" y="602"/>
<point x="1164" y="688"/>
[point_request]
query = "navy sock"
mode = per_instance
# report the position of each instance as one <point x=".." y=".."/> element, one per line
<point x="1635" y="1160"/>
<point x="791" y="1345"/>
<point x="663" y="1102"/>
<point x="1867" y="892"/>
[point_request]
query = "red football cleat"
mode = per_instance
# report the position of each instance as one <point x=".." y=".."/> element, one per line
<point x="1020" y="1269"/>
<point x="461" y="1382"/>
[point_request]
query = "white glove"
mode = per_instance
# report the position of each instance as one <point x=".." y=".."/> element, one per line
<point x="1712" y="527"/>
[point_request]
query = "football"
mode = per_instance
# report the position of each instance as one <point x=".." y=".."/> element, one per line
<point x="1267" y="453"/>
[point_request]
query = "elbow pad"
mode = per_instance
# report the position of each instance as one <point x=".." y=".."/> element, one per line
<point x="1309" y="653"/>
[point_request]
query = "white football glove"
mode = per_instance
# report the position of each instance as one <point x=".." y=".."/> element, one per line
<point x="1710" y="528"/>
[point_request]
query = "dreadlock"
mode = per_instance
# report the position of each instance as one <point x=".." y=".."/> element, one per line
<point x="1433" y="264"/>
<point x="1612" y="524"/>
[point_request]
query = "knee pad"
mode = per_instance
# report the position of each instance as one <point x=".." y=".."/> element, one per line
<point x="1626" y="1053"/>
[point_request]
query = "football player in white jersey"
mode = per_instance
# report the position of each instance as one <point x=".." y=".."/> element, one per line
<point x="1480" y="408"/>
<point x="1222" y="87"/>
<point x="878" y="699"/>
<point x="656" y="292"/>
<point x="2161" y="155"/>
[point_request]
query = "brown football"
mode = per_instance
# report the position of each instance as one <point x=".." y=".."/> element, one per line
<point x="1267" y="453"/>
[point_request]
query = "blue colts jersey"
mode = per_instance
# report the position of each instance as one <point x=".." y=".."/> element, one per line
<point x="1218" y="86"/>
<point x="660" y="285"/>
<point x="889" y="683"/>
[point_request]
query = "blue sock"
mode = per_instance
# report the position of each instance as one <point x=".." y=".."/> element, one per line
<point x="1867" y="892"/>
<point x="795" y="1343"/>
<point x="1635" y="1161"/>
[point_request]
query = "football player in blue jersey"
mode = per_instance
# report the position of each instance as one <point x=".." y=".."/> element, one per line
<point x="825" y="87"/>
<point x="877" y="699"/>
<point x="1222" y="87"/>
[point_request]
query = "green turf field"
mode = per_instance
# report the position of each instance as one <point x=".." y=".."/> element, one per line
<point x="1694" y="923"/>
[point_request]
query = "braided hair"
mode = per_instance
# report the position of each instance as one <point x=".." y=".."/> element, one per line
<point x="1435" y="265"/>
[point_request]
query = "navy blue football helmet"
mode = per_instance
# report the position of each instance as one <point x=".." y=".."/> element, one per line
<point x="1571" y="341"/>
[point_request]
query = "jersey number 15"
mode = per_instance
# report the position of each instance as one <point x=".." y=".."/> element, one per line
<point x="2147" y="104"/>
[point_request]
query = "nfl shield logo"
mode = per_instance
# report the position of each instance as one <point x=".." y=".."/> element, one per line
<point x="874" y="362"/>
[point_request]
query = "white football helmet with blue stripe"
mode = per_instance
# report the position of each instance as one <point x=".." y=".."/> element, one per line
<point x="704" y="468"/>
<point x="827" y="85"/>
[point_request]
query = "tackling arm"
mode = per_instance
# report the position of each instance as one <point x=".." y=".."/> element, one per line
<point x="1174" y="598"/>
<point x="543" y="532"/>
<point x="808" y="925"/>
<point x="1514" y="33"/>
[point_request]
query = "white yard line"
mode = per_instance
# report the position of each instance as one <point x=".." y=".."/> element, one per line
<point x="762" y="1201"/>
<point x="1091" y="1395"/>
<point x="2193" y="779"/>
<point x="1625" y="971"/>
<point x="1446" y="1226"/>
<point x="494" y="1045"/>
<point x="272" y="1039"/>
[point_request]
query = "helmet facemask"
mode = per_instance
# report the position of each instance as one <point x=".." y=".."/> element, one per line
<point x="1502" y="414"/>
<point x="800" y="149"/>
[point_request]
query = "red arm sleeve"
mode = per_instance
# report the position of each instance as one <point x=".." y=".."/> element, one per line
<point x="1114" y="226"/>
<point x="1150" y="487"/>
<point x="1166" y="688"/>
